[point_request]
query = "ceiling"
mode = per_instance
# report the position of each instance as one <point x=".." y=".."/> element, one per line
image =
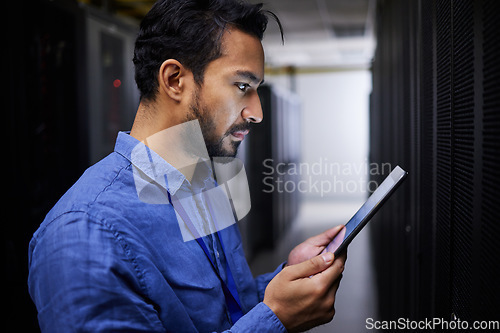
<point x="321" y="33"/>
<point x="318" y="33"/>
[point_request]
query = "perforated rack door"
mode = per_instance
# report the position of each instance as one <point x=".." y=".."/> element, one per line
<point x="435" y="109"/>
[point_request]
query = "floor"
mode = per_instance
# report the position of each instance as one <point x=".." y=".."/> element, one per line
<point x="356" y="297"/>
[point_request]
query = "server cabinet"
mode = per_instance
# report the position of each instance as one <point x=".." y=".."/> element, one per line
<point x="271" y="149"/>
<point x="62" y="106"/>
<point x="435" y="109"/>
<point x="112" y="95"/>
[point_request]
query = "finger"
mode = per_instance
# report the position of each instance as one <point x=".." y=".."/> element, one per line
<point x="332" y="273"/>
<point x="336" y="284"/>
<point x="310" y="267"/>
<point x="332" y="292"/>
<point x="325" y="237"/>
<point x="342" y="256"/>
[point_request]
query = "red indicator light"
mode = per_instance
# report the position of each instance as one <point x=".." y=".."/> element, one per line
<point x="117" y="83"/>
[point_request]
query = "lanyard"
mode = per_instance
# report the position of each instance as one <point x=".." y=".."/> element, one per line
<point x="230" y="291"/>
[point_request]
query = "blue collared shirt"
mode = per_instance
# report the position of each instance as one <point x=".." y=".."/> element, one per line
<point x="105" y="260"/>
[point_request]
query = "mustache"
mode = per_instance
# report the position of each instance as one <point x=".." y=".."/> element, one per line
<point x="240" y="127"/>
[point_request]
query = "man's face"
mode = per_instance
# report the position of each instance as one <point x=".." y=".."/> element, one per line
<point x="227" y="101"/>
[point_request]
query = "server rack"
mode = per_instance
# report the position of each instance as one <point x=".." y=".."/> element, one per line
<point x="435" y="109"/>
<point x="60" y="68"/>
<point x="275" y="141"/>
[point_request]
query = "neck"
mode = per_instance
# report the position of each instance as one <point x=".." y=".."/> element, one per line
<point x="179" y="143"/>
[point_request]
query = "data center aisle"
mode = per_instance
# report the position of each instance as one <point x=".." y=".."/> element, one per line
<point x="356" y="298"/>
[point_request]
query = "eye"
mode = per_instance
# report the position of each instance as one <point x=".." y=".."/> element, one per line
<point x="243" y="86"/>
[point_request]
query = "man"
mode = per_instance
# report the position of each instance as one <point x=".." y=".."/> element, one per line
<point x="145" y="241"/>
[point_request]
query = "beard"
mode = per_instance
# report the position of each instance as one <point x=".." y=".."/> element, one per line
<point x="213" y="143"/>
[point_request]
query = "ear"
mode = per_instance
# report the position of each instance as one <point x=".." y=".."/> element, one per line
<point x="172" y="79"/>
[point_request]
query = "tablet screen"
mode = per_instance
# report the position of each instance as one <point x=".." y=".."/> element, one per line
<point x="369" y="208"/>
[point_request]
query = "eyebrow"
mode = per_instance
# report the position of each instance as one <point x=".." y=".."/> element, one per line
<point x="250" y="76"/>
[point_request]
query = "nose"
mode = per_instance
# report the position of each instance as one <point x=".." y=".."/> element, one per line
<point x="253" y="111"/>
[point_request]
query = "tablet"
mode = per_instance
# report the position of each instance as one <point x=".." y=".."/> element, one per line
<point x="366" y="212"/>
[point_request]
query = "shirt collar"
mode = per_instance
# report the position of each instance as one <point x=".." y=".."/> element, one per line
<point x="149" y="163"/>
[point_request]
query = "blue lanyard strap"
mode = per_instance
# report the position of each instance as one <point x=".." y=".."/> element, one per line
<point x="230" y="291"/>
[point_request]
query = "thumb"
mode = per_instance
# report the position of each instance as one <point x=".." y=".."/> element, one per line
<point x="312" y="266"/>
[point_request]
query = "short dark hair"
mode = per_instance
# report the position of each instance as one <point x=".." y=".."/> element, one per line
<point x="190" y="31"/>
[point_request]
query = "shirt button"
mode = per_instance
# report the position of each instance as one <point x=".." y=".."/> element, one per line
<point x="217" y="254"/>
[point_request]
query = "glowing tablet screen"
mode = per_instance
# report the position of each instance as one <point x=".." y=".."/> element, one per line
<point x="365" y="213"/>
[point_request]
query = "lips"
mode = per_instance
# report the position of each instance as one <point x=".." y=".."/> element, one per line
<point x="240" y="135"/>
